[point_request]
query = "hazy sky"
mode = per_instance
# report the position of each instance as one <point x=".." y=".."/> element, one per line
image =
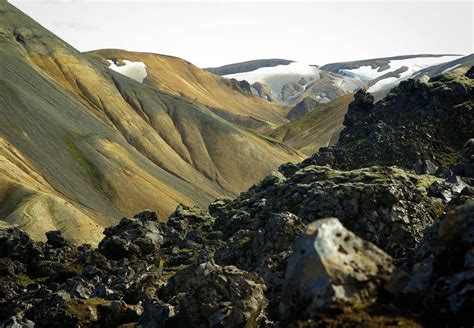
<point x="218" y="33"/>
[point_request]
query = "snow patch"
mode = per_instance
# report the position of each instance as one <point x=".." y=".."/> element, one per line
<point x="277" y="76"/>
<point x="133" y="70"/>
<point x="262" y="73"/>
<point x="414" y="65"/>
<point x="365" y="73"/>
<point x="450" y="68"/>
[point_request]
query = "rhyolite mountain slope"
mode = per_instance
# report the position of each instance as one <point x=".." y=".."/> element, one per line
<point x="319" y="127"/>
<point x="179" y="77"/>
<point x="303" y="107"/>
<point x="356" y="241"/>
<point x="82" y="145"/>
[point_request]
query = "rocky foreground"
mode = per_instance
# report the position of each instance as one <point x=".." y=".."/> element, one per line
<point x="375" y="231"/>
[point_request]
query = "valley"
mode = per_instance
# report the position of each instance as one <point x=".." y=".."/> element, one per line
<point x="140" y="190"/>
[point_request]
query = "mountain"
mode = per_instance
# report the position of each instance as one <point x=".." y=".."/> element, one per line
<point x="247" y="66"/>
<point x="460" y="65"/>
<point x="319" y="127"/>
<point x="82" y="145"/>
<point x="292" y="82"/>
<point x="302" y="108"/>
<point x="385" y="73"/>
<point x="419" y="125"/>
<point x="328" y="87"/>
<point x="351" y="236"/>
<point x="179" y="77"/>
<point x="321" y="124"/>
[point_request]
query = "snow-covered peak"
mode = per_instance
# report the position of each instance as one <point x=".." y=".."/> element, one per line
<point x="277" y="76"/>
<point x="413" y="65"/>
<point x="133" y="70"/>
<point x="259" y="75"/>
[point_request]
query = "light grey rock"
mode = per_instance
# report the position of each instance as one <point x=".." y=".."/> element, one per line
<point x="332" y="266"/>
<point x="78" y="288"/>
<point x="14" y="322"/>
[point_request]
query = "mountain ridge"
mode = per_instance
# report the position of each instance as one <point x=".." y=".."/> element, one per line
<point x="247" y="66"/>
<point x="100" y="145"/>
<point x="361" y="62"/>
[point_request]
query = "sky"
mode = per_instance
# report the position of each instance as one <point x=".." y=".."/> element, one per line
<point x="211" y="34"/>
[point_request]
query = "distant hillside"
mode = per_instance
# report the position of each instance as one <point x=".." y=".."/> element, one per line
<point x="82" y="146"/>
<point x="247" y="66"/>
<point x="382" y="74"/>
<point x="319" y="128"/>
<point x="375" y="63"/>
<point x="460" y="65"/>
<point x="179" y="77"/>
<point x="290" y="83"/>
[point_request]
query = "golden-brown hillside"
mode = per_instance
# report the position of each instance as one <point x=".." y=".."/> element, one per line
<point x="319" y="128"/>
<point x="81" y="145"/>
<point x="179" y="77"/>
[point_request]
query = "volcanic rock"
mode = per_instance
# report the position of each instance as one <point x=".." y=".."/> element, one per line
<point x="331" y="265"/>
<point x="213" y="296"/>
<point x="415" y="123"/>
<point x="136" y="237"/>
<point x="386" y="206"/>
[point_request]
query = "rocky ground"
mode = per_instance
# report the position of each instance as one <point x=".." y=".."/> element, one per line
<point x="375" y="231"/>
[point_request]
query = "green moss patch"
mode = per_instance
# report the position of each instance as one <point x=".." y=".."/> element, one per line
<point x="82" y="160"/>
<point x="25" y="281"/>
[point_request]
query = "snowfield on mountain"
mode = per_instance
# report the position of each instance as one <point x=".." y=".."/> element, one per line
<point x="133" y="70"/>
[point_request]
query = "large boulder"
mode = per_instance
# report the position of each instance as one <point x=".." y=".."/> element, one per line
<point x="56" y="240"/>
<point x="265" y="251"/>
<point x="93" y="312"/>
<point x="470" y="73"/>
<point x="133" y="238"/>
<point x="209" y="295"/>
<point x="251" y="249"/>
<point x="332" y="266"/>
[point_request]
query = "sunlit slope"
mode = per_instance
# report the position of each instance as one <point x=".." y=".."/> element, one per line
<point x="179" y="77"/>
<point x="54" y="152"/>
<point x="319" y="128"/>
<point x="81" y="146"/>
